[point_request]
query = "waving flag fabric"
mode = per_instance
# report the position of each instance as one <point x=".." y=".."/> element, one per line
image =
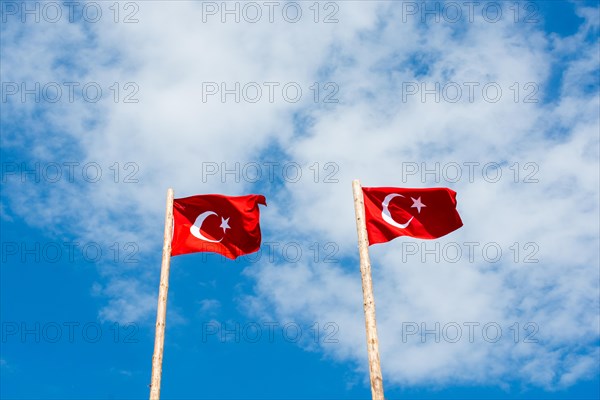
<point x="420" y="213"/>
<point x="215" y="223"/>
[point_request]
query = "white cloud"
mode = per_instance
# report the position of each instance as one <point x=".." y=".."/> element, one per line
<point x="209" y="306"/>
<point x="371" y="134"/>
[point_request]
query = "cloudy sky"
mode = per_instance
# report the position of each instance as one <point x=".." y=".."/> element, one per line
<point x="105" y="105"/>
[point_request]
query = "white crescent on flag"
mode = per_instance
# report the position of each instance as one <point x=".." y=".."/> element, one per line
<point x="385" y="213"/>
<point x="195" y="229"/>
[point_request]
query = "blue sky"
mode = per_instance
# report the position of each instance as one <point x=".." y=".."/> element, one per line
<point x="109" y="104"/>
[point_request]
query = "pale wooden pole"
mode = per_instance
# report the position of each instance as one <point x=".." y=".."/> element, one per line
<point x="161" y="312"/>
<point x="368" y="299"/>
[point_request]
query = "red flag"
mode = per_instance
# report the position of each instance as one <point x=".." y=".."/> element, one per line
<point x="420" y="213"/>
<point x="216" y="223"/>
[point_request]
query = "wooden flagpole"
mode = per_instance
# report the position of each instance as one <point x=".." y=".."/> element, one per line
<point x="161" y="312"/>
<point x="368" y="299"/>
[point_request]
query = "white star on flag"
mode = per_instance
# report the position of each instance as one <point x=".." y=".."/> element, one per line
<point x="224" y="224"/>
<point x="417" y="204"/>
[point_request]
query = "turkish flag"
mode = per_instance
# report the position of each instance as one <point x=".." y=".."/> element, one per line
<point x="215" y="223"/>
<point x="420" y="213"/>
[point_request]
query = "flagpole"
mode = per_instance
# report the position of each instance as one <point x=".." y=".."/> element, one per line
<point x="368" y="299"/>
<point x="161" y="312"/>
